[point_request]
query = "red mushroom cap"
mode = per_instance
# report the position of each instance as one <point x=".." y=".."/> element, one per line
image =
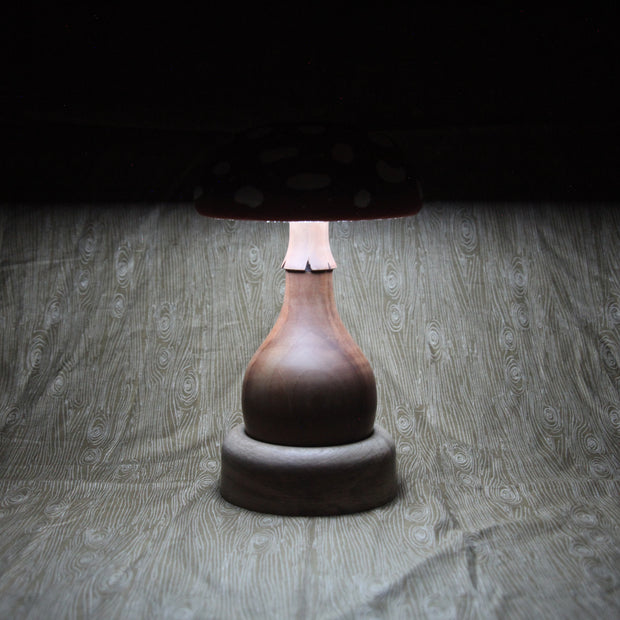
<point x="296" y="172"/>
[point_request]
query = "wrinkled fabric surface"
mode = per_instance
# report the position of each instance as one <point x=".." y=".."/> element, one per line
<point x="494" y="334"/>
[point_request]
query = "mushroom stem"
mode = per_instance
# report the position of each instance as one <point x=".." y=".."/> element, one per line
<point x="309" y="384"/>
<point x="308" y="247"/>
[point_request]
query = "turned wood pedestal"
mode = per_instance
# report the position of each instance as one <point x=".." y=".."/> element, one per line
<point x="308" y="445"/>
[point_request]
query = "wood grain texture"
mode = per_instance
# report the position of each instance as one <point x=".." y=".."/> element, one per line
<point x="494" y="335"/>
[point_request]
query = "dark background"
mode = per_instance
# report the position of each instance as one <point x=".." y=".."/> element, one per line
<point x="105" y="103"/>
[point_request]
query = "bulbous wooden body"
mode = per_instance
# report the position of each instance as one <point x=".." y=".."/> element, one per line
<point x="309" y="384"/>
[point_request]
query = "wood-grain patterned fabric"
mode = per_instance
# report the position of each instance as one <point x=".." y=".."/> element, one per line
<point x="494" y="334"/>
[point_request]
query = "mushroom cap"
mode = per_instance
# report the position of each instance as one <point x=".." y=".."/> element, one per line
<point x="297" y="172"/>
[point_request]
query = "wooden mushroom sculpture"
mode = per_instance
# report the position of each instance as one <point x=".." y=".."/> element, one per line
<point x="309" y="444"/>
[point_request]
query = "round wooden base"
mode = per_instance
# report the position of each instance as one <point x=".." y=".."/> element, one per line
<point x="290" y="480"/>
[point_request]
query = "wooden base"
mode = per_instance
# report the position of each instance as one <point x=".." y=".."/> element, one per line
<point x="298" y="481"/>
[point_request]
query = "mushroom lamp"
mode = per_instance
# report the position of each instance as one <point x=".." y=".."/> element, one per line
<point x="309" y="444"/>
